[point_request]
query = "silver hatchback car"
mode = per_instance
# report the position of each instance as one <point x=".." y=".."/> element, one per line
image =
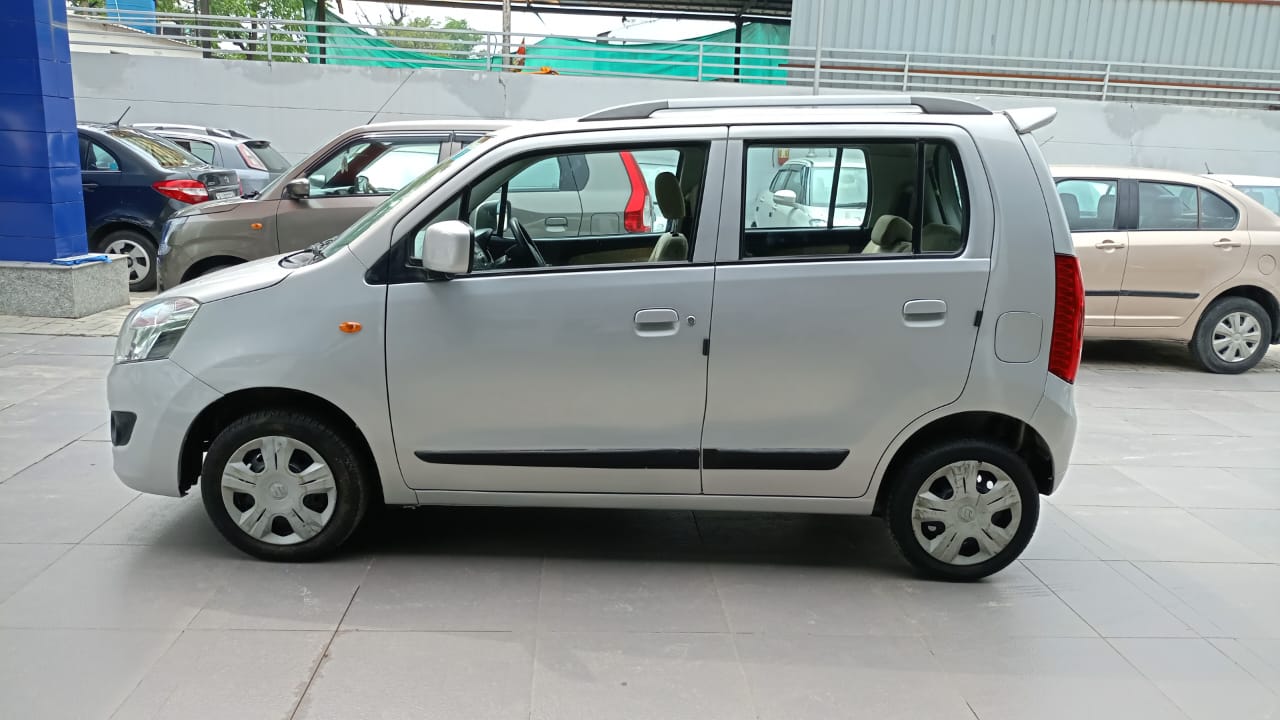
<point x="917" y="365"/>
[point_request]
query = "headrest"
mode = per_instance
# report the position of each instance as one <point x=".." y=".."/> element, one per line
<point x="891" y="230"/>
<point x="1071" y="205"/>
<point x="670" y="197"/>
<point x="1107" y="208"/>
<point x="1165" y="207"/>
<point x="941" y="238"/>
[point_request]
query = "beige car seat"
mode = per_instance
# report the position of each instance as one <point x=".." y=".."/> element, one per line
<point x="891" y="234"/>
<point x="939" y="238"/>
<point x="672" y="246"/>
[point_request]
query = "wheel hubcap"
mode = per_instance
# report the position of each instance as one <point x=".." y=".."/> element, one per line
<point x="966" y="513"/>
<point x="136" y="257"/>
<point x="278" y="490"/>
<point x="1236" y="337"/>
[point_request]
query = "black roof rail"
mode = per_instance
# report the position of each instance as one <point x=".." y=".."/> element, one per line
<point x="929" y="104"/>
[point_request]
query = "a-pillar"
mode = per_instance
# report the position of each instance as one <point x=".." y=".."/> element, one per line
<point x="41" y="202"/>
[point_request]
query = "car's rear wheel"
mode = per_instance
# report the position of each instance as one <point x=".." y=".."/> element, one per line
<point x="1232" y="336"/>
<point x="282" y="485"/>
<point x="963" y="509"/>
<point x="140" y="254"/>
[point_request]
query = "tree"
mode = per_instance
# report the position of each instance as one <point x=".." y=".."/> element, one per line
<point x="450" y="37"/>
<point x="249" y="37"/>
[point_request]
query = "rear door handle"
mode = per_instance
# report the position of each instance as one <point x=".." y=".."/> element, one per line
<point x="557" y="224"/>
<point x="1227" y="243"/>
<point x="657" y="322"/>
<point x="924" y="313"/>
<point x="1109" y="245"/>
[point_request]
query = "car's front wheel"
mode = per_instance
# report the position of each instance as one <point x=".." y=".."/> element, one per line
<point x="283" y="485"/>
<point x="1232" y="336"/>
<point x="963" y="509"/>
<point x="140" y="254"/>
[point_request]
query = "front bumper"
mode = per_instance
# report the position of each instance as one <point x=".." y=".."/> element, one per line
<point x="1055" y="420"/>
<point x="164" y="400"/>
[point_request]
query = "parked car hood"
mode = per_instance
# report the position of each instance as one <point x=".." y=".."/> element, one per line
<point x="236" y="280"/>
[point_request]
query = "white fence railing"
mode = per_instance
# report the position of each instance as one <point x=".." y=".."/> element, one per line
<point x="817" y="69"/>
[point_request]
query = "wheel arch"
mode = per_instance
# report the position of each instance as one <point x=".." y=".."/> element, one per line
<point x="226" y="409"/>
<point x="1260" y="295"/>
<point x="1016" y="434"/>
<point x="203" y="265"/>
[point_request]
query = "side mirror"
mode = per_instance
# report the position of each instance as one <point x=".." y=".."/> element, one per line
<point x="446" y="248"/>
<point x="298" y="188"/>
<point x="785" y="197"/>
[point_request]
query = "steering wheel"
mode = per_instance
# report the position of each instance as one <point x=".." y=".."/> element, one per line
<point x="524" y="238"/>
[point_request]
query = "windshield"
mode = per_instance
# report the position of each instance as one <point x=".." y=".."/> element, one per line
<point x="165" y="153"/>
<point x="272" y="159"/>
<point x="393" y="202"/>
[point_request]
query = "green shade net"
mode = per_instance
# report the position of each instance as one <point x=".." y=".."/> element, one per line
<point x="710" y="57"/>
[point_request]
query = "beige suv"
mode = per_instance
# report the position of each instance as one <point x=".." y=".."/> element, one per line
<point x="1173" y="256"/>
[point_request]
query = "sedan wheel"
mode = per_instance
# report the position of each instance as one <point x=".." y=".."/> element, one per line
<point x="139" y="253"/>
<point x="1232" y="336"/>
<point x="278" y="490"/>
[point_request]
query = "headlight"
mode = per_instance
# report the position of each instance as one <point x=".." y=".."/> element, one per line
<point x="151" y="331"/>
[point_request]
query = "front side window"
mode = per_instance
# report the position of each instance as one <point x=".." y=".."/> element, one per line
<point x="522" y="221"/>
<point x="877" y="197"/>
<point x="374" y="166"/>
<point x="1090" y="205"/>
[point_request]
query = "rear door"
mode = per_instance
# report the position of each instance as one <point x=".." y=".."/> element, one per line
<point x="100" y="177"/>
<point x="1188" y="241"/>
<point x="818" y="359"/>
<point x="351" y="181"/>
<point x="1090" y="205"/>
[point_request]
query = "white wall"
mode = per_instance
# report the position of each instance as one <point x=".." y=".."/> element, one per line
<point x="299" y="106"/>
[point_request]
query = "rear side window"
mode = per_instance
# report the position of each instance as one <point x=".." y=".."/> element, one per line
<point x="164" y="153"/>
<point x="875" y="199"/>
<point x="1090" y="204"/>
<point x="1173" y="206"/>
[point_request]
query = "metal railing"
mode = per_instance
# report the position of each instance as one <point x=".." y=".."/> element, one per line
<point x="816" y="69"/>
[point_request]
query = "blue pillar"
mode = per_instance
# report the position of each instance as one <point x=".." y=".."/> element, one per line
<point x="41" y="202"/>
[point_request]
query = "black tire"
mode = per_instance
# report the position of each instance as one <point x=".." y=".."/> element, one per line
<point x="354" y="493"/>
<point x="908" y="481"/>
<point x="1202" y="342"/>
<point x="140" y="278"/>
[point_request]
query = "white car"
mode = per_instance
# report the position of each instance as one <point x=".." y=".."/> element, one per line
<point x="800" y="195"/>
<point x="1265" y="190"/>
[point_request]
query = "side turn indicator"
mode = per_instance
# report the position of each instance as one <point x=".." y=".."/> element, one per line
<point x="350" y="327"/>
<point x="255" y="226"/>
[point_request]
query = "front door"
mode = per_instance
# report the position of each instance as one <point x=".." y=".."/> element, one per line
<point x="350" y="182"/>
<point x="531" y="374"/>
<point x="819" y="358"/>
<point x="1090" y="205"/>
<point x="1188" y="241"/>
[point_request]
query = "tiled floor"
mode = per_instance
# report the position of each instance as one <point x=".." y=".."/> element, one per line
<point x="104" y="324"/>
<point x="1150" y="590"/>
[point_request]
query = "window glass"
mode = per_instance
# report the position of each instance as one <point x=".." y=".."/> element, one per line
<point x="860" y="199"/>
<point x="1167" y="206"/>
<point x="795" y="182"/>
<point x="1216" y="213"/>
<point x="1089" y="204"/>
<point x="1267" y="196"/>
<point x="374" y="167"/>
<point x="542" y="175"/>
<point x="269" y="156"/>
<point x="609" y="222"/>
<point x="202" y="150"/>
<point x="163" y="152"/>
<point x="94" y="158"/>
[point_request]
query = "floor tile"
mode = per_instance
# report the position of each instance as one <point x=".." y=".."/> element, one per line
<point x="1201" y="680"/>
<point x="422" y="676"/>
<point x="447" y="593"/>
<point x="73" y="674"/>
<point x="1161" y="534"/>
<point x="227" y="674"/>
<point x="1206" y="487"/>
<point x="62" y="498"/>
<point x="1238" y="599"/>
<point x="281" y="596"/>
<point x="1105" y="485"/>
<point x="799" y="677"/>
<point x="1058" y="537"/>
<point x="812" y="599"/>
<point x="1260" y="657"/>
<point x="1049" y="679"/>
<point x="1258" y="530"/>
<point x="19" y="564"/>
<point x="118" y="587"/>
<point x="629" y="595"/>
<point x="634" y="676"/>
<point x="1102" y="597"/>
<point x="159" y="520"/>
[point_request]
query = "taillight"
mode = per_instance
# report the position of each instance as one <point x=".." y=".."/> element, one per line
<point x="636" y="218"/>
<point x="250" y="159"/>
<point x="187" y="191"/>
<point x="1068" y="318"/>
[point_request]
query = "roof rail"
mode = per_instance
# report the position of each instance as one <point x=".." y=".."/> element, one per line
<point x="928" y="104"/>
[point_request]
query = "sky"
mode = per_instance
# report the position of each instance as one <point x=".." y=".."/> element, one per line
<point x="548" y="24"/>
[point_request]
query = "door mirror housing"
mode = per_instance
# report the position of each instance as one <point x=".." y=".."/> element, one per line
<point x="446" y="248"/>
<point x="298" y="188"/>
<point x="785" y="197"/>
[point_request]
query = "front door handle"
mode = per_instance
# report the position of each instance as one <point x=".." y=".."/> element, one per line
<point x="924" y="313"/>
<point x="89" y="187"/>
<point x="557" y="224"/>
<point x="1110" y="245"/>
<point x="1227" y="243"/>
<point x="657" y="322"/>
